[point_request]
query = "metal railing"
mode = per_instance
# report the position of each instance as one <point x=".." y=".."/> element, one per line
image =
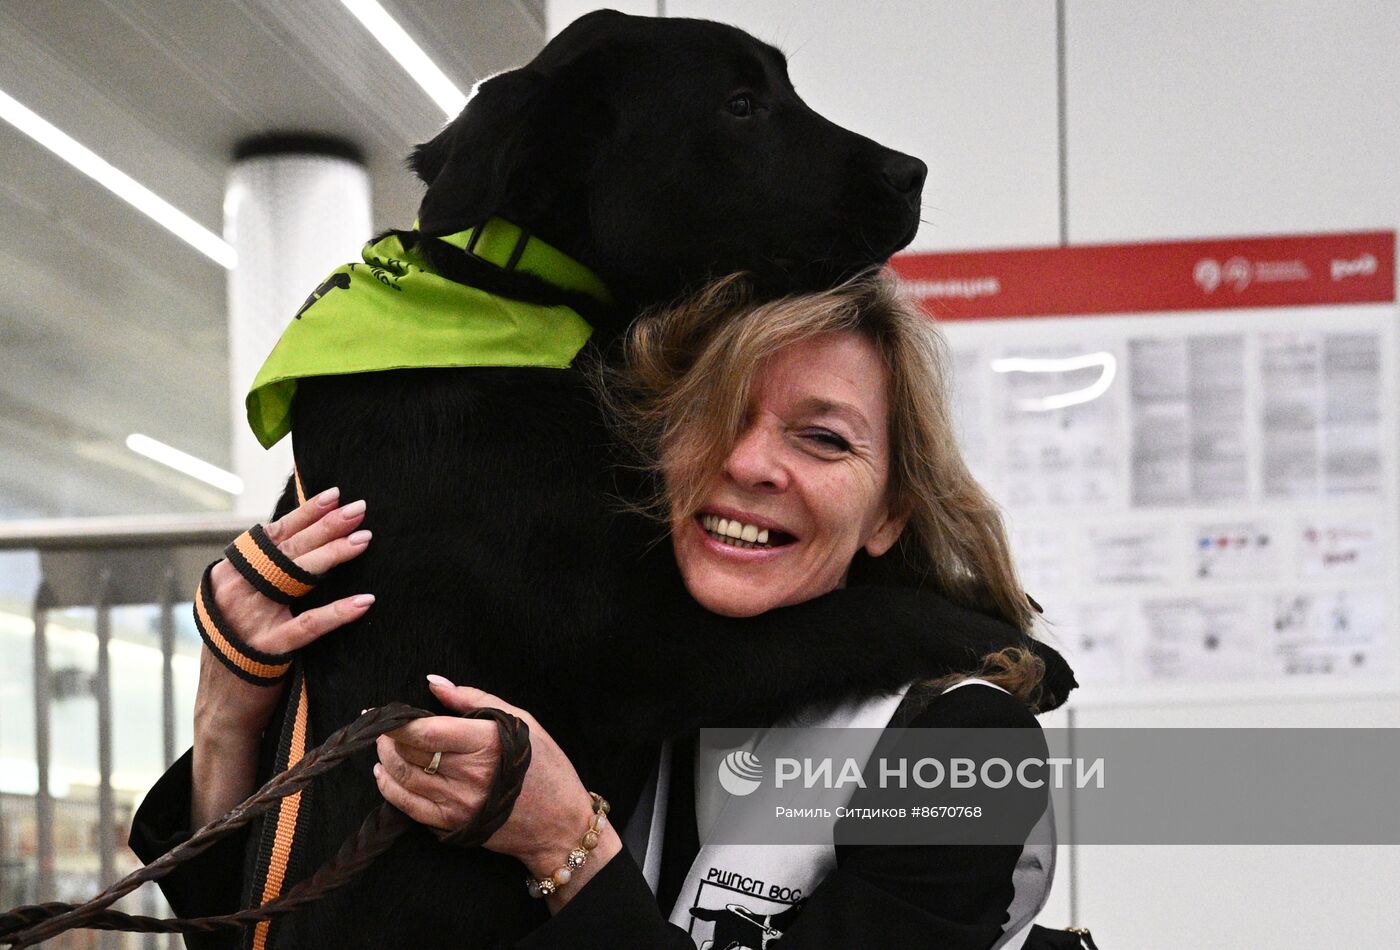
<point x="103" y="564"/>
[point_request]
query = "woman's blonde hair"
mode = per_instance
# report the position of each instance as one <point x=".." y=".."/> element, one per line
<point x="682" y="395"/>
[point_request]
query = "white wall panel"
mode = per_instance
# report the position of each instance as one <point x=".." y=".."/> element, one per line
<point x="1201" y="119"/>
<point x="1312" y="713"/>
<point x="1289" y="897"/>
<point x="969" y="88"/>
<point x="1239" y="898"/>
<point x="1239" y="117"/>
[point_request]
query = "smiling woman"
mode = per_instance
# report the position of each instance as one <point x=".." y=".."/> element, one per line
<point x="825" y="420"/>
<point x="803" y="488"/>
<point x="798" y="446"/>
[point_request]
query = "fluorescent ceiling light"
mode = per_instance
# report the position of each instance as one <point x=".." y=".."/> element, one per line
<point x="1105" y="362"/>
<point x="184" y="462"/>
<point x="117" y="182"/>
<point x="408" y="54"/>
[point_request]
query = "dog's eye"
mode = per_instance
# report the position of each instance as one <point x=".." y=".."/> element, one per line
<point x="741" y="106"/>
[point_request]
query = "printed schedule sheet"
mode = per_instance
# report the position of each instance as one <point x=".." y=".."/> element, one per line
<point x="1194" y="446"/>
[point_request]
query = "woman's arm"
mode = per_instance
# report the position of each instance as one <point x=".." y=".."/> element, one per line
<point x="231" y="713"/>
<point x="857" y="641"/>
<point x="951" y="895"/>
<point x="550" y="816"/>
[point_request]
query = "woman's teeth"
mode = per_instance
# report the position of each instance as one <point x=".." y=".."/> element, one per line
<point x="735" y="533"/>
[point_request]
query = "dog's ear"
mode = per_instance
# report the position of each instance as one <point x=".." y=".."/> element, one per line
<point x="589" y="32"/>
<point x="427" y="159"/>
<point x="469" y="165"/>
<point x="524" y="144"/>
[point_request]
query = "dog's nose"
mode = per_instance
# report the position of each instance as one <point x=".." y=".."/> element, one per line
<point x="904" y="173"/>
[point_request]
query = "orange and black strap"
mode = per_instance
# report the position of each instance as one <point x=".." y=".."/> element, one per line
<point x="255" y="666"/>
<point x="262" y="564"/>
<point x="281" y="842"/>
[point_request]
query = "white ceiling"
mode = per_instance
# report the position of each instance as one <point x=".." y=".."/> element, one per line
<point x="109" y="324"/>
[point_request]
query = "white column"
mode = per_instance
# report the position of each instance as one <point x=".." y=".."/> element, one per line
<point x="295" y="209"/>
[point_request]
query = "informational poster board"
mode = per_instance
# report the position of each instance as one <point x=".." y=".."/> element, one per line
<point x="1194" y="444"/>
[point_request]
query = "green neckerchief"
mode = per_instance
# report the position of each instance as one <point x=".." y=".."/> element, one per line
<point x="393" y="312"/>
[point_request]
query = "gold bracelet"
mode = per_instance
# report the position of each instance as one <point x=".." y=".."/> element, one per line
<point x="545" y="886"/>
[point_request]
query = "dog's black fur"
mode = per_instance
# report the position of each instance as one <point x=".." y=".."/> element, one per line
<point x="659" y="153"/>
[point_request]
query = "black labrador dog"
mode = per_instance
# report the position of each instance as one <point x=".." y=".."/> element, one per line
<point x="659" y="153"/>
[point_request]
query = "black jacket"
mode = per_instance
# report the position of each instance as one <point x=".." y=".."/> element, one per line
<point x="950" y="896"/>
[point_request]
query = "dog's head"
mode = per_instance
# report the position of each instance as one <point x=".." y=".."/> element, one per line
<point x="661" y="152"/>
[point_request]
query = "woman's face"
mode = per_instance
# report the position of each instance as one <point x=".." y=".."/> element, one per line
<point x="804" y="487"/>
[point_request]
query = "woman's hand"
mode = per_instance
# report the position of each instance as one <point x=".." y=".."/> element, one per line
<point x="231" y="713"/>
<point x="550" y="816"/>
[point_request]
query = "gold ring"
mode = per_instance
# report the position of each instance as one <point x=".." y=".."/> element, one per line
<point x="432" y="767"/>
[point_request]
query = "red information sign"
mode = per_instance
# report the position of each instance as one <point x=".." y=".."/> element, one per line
<point x="1216" y="274"/>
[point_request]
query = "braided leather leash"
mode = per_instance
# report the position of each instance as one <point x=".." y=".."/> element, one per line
<point x="31" y="924"/>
